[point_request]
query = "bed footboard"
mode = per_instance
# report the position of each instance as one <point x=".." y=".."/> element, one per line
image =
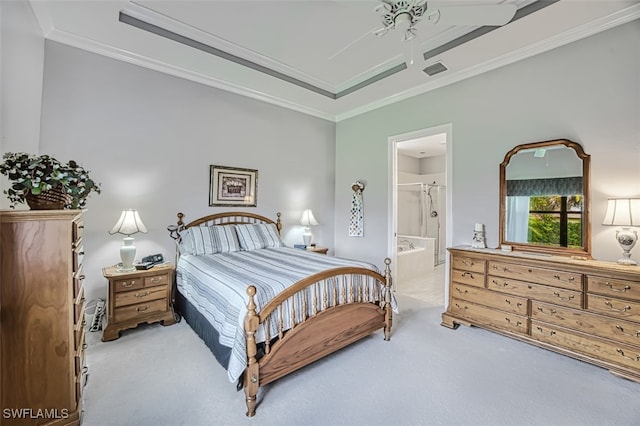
<point x="313" y="318"/>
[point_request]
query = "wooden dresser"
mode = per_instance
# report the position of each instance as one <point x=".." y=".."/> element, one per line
<point x="42" y="317"/>
<point x="585" y="309"/>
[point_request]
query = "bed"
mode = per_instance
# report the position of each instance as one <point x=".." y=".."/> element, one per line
<point x="266" y="310"/>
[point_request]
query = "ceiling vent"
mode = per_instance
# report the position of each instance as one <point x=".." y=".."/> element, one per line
<point x="434" y="69"/>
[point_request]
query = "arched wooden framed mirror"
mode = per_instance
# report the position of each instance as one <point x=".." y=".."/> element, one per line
<point x="544" y="198"/>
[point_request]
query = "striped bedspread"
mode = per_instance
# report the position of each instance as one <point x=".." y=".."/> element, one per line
<point x="217" y="284"/>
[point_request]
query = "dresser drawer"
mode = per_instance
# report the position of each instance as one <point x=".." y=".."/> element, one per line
<point x="614" y="307"/>
<point x="78" y="280"/>
<point x="468" y="264"/>
<point x="598" y="325"/>
<point x="77" y="230"/>
<point x="618" y="354"/>
<point x="536" y="275"/>
<point x="134" y="311"/>
<point x="468" y="277"/>
<point x="146" y="294"/>
<point x="508" y="303"/>
<point x="545" y="293"/>
<point x="489" y="317"/>
<point x="614" y="288"/>
<point x="78" y="257"/>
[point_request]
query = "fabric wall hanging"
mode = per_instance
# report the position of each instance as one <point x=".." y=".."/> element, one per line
<point x="356" y="219"/>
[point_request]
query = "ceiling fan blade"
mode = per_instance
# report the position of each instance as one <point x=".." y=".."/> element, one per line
<point x="473" y="15"/>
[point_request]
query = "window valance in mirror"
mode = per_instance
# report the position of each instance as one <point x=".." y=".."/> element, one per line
<point x="552" y="186"/>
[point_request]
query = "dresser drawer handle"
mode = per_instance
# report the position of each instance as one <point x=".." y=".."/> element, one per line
<point x="146" y="293"/>
<point x="81" y="253"/>
<point x="610" y="305"/>
<point x="619" y="290"/>
<point x="460" y="307"/>
<point x="462" y="292"/>
<point x="142" y="309"/>
<point x="557" y="294"/>
<point x="84" y="322"/>
<point x="84" y="346"/>
<point x="518" y="323"/>
<point x="621" y="352"/>
<point x="556" y="276"/>
<point x="155" y="279"/>
<point x="504" y="284"/>
<point x="551" y="311"/>
<point x="82" y="277"/>
<point x="128" y="284"/>
<point x="469" y="274"/>
<point x="551" y="333"/>
<point x="464" y="262"/>
<point x="621" y="329"/>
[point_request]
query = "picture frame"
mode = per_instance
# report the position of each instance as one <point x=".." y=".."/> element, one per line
<point x="233" y="187"/>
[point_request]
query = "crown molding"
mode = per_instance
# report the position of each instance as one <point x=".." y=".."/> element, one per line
<point x="146" y="62"/>
<point x="613" y="20"/>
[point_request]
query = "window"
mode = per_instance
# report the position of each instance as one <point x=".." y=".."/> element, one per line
<point x="555" y="220"/>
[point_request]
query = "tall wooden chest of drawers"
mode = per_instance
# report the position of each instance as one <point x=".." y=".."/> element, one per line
<point x="586" y="309"/>
<point x="42" y="317"/>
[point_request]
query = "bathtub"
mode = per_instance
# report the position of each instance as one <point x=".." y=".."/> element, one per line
<point x="415" y="257"/>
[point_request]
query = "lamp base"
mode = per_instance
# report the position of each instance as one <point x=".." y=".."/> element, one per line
<point x="306" y="237"/>
<point x="627" y="239"/>
<point x="127" y="255"/>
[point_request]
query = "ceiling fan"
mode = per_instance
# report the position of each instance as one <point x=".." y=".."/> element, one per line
<point x="405" y="15"/>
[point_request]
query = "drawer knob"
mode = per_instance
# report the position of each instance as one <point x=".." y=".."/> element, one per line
<point x="146" y="293"/>
<point x="142" y="308"/>
<point x="610" y="305"/>
<point x="619" y="290"/>
<point x="621" y="352"/>
<point x="128" y="284"/>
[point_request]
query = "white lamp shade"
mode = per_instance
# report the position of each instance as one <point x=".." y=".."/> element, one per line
<point x="129" y="224"/>
<point x="622" y="212"/>
<point x="307" y="218"/>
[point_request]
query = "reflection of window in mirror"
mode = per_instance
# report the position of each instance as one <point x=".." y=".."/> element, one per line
<point x="550" y="220"/>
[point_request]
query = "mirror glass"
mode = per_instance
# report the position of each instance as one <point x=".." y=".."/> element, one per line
<point x="544" y="198"/>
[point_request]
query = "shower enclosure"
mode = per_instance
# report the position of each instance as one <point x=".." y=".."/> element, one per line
<point x="421" y="214"/>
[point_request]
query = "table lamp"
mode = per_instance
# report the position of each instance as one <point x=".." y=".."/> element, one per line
<point x="307" y="220"/>
<point x="128" y="224"/>
<point x="625" y="213"/>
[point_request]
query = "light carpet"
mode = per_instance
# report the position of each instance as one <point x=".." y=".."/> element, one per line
<point x="426" y="375"/>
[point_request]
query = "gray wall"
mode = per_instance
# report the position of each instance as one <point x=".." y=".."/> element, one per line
<point x="587" y="91"/>
<point x="22" y="61"/>
<point x="150" y="138"/>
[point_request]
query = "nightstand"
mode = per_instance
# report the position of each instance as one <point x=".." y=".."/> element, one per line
<point x="321" y="250"/>
<point x="137" y="297"/>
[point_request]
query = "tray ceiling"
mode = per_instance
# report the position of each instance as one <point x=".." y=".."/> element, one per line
<point x="317" y="57"/>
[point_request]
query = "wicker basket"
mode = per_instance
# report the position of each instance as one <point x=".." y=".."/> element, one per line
<point x="53" y="199"/>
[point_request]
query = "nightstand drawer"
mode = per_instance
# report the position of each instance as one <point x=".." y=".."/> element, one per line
<point x="128" y="284"/>
<point x="156" y="280"/>
<point x="141" y="295"/>
<point x="134" y="311"/>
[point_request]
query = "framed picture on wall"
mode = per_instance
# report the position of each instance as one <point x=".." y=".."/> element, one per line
<point x="233" y="187"/>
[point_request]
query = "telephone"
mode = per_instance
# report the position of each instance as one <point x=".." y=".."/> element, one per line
<point x="150" y="261"/>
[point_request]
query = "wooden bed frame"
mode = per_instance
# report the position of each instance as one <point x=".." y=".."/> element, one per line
<point x="341" y="315"/>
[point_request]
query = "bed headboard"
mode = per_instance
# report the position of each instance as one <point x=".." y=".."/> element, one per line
<point x="225" y="218"/>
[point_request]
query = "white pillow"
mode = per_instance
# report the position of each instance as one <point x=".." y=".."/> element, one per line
<point x="258" y="235"/>
<point x="186" y="243"/>
<point x="213" y="239"/>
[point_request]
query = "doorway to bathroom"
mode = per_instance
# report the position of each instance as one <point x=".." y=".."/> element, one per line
<point x="420" y="200"/>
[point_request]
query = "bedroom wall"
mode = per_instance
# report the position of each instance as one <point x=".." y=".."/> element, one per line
<point x="150" y="138"/>
<point x="587" y="91"/>
<point x="21" y="64"/>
